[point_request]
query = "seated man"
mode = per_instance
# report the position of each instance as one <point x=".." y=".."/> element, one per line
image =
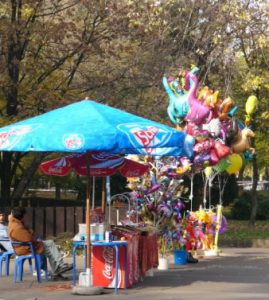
<point x="5" y="244"/>
<point x="19" y="232"/>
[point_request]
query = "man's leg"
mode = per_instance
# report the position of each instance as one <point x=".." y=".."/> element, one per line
<point x="6" y="246"/>
<point x="55" y="259"/>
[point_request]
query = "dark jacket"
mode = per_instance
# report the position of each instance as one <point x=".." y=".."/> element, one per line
<point x="17" y="231"/>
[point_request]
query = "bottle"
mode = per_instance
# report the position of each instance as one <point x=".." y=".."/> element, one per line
<point x="108" y="234"/>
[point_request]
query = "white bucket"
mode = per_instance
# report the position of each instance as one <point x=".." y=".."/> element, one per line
<point x="149" y="273"/>
<point x="85" y="279"/>
<point x="163" y="263"/>
<point x="211" y="252"/>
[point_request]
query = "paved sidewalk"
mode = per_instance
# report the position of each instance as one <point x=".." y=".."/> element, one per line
<point x="238" y="273"/>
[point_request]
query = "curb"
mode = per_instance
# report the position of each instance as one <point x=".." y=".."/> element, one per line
<point x="238" y="243"/>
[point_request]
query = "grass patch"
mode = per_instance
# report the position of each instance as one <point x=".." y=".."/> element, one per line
<point x="241" y="230"/>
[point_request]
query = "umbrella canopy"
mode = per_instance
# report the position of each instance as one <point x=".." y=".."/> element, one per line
<point x="90" y="126"/>
<point x="101" y="164"/>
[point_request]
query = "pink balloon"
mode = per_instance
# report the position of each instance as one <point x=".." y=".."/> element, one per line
<point x="221" y="149"/>
<point x="198" y="110"/>
<point x="213" y="157"/>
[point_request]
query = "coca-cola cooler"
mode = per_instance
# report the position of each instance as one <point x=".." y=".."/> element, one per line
<point x="104" y="260"/>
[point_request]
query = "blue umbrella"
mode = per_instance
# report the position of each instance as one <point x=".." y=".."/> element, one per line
<point x="90" y="126"/>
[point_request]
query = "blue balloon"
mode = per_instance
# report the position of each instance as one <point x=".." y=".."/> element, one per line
<point x="188" y="145"/>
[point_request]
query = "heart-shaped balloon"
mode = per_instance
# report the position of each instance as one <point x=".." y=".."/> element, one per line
<point x="213" y="157"/>
<point x="221" y="149"/>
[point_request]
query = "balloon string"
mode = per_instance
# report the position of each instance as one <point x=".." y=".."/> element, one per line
<point x="191" y="192"/>
<point x="204" y="200"/>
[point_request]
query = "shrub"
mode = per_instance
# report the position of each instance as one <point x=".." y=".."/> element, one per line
<point x="241" y="208"/>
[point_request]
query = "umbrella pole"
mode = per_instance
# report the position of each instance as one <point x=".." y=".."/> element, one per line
<point x="89" y="289"/>
<point x="104" y="195"/>
<point x="93" y="192"/>
<point x="108" y="198"/>
<point x="88" y="215"/>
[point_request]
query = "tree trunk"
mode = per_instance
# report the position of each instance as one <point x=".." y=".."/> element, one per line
<point x="57" y="191"/>
<point x="5" y="175"/>
<point x="26" y="178"/>
<point x="254" y="200"/>
<point x="241" y="179"/>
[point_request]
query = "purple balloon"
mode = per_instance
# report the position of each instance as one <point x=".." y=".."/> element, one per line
<point x="201" y="159"/>
<point x="223" y="224"/>
<point x="154" y="188"/>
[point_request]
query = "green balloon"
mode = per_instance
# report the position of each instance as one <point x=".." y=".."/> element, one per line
<point x="222" y="165"/>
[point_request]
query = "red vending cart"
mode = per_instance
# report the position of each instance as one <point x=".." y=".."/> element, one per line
<point x="104" y="261"/>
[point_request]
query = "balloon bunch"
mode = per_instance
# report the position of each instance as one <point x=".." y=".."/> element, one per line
<point x="158" y="200"/>
<point x="194" y="232"/>
<point x="208" y="222"/>
<point x="212" y="132"/>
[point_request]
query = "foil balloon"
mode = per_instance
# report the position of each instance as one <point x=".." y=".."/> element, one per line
<point x="204" y="146"/>
<point x="202" y="159"/>
<point x="175" y="87"/>
<point x="198" y="110"/>
<point x="221" y="149"/>
<point x="222" y="165"/>
<point x="208" y="171"/>
<point x="208" y="96"/>
<point x="229" y="130"/>
<point x="185" y="166"/>
<point x="225" y="107"/>
<point x="213" y="127"/>
<point x="178" y="104"/>
<point x="248" y="156"/>
<point x="179" y="205"/>
<point x="190" y="128"/>
<point x="188" y="145"/>
<point x="236" y="163"/>
<point x="223" y="223"/>
<point x="251" y="105"/>
<point x="154" y="188"/>
<point x="214" y="159"/>
<point x="165" y="210"/>
<point x="242" y="142"/>
<point x="201" y="135"/>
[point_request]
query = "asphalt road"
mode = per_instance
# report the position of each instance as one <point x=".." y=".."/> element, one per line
<point x="238" y="273"/>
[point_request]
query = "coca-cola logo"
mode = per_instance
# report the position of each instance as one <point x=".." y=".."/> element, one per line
<point x="108" y="256"/>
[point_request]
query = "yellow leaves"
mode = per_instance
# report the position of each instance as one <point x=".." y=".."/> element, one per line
<point x="4" y="9"/>
<point x="3" y="104"/>
<point x="253" y="82"/>
<point x="27" y="12"/>
<point x="243" y="16"/>
<point x="265" y="115"/>
<point x="262" y="41"/>
<point x="216" y="39"/>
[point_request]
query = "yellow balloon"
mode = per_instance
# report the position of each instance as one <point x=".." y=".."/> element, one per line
<point x="251" y="104"/>
<point x="208" y="171"/>
<point x="236" y="163"/>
